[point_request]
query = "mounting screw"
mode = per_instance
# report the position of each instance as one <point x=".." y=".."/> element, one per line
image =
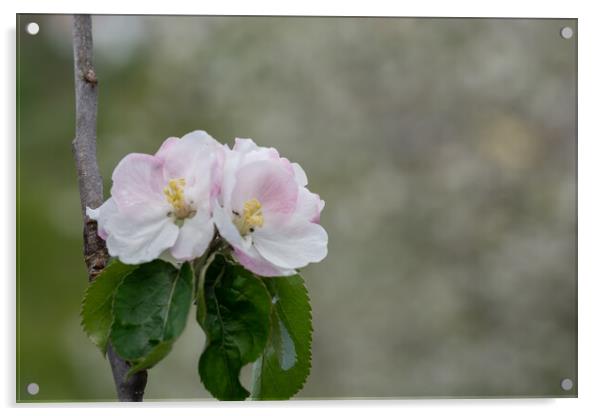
<point x="566" y="384"/>
<point x="566" y="32"/>
<point x="32" y="28"/>
<point x="33" y="389"/>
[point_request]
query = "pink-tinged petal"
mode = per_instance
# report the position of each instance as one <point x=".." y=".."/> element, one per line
<point x="225" y="226"/>
<point x="309" y="205"/>
<point x="201" y="136"/>
<point x="138" y="180"/>
<point x="244" y="145"/>
<point x="288" y="166"/>
<point x="261" y="155"/>
<point x="251" y="260"/>
<point x="231" y="163"/>
<point x="140" y="238"/>
<point x="164" y="149"/>
<point x="300" y="175"/>
<point x="270" y="183"/>
<point x="321" y="207"/>
<point x="185" y="156"/>
<point x="194" y="158"/>
<point x="217" y="172"/>
<point x="195" y="235"/>
<point x="102" y="214"/>
<point x="253" y="153"/>
<point x="291" y="245"/>
<point x="244" y="152"/>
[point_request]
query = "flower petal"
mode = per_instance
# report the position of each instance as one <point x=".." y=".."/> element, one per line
<point x="140" y="238"/>
<point x="231" y="163"/>
<point x="138" y="180"/>
<point x="167" y="144"/>
<point x="251" y="260"/>
<point x="198" y="159"/>
<point x="102" y="214"/>
<point x="225" y="226"/>
<point x="190" y="156"/>
<point x="244" y="145"/>
<point x="253" y="153"/>
<point x="194" y="238"/>
<point x="292" y="245"/>
<point x="300" y="175"/>
<point x="269" y="182"/>
<point x="169" y="258"/>
<point x="309" y="205"/>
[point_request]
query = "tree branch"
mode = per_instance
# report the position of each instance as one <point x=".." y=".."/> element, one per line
<point x="90" y="185"/>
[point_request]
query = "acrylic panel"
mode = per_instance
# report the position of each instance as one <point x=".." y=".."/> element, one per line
<point x="444" y="149"/>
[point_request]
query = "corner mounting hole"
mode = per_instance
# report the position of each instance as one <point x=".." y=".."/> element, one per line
<point x="33" y="389"/>
<point x="32" y="28"/>
<point x="566" y="32"/>
<point x="566" y="384"/>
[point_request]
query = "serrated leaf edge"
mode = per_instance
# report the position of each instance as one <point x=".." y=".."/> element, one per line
<point x="310" y="340"/>
<point x="103" y="349"/>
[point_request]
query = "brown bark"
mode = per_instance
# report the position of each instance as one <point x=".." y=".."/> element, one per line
<point x="90" y="185"/>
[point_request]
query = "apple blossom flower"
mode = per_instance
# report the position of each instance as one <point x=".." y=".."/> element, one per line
<point x="266" y="213"/>
<point x="160" y="204"/>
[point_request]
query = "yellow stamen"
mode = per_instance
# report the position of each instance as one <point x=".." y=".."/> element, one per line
<point x="251" y="217"/>
<point x="174" y="193"/>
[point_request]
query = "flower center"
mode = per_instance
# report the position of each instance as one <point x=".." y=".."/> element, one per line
<point x="174" y="193"/>
<point x="251" y="217"/>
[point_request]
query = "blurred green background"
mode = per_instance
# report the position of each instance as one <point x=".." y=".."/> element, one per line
<point x="445" y="150"/>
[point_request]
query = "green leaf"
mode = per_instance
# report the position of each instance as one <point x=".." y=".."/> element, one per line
<point x="97" y="305"/>
<point x="159" y="352"/>
<point x="236" y="321"/>
<point x="175" y="314"/>
<point x="283" y="367"/>
<point x="151" y="308"/>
